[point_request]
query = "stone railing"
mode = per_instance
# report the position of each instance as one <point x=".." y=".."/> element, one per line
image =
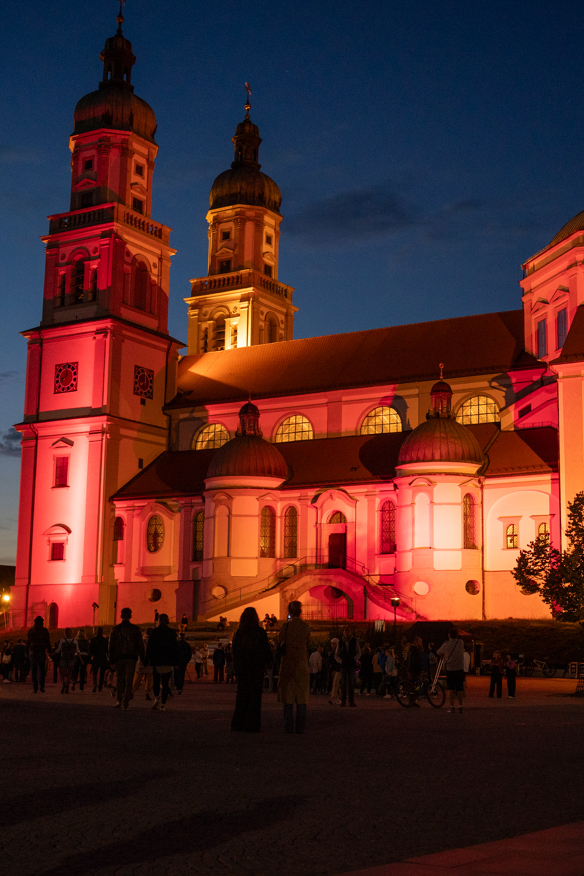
<point x="239" y="280"/>
<point x="107" y="213"/>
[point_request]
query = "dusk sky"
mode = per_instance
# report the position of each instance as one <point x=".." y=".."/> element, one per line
<point x="424" y="150"/>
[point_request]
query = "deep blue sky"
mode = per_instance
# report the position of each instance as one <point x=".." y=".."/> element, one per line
<point x="423" y="149"/>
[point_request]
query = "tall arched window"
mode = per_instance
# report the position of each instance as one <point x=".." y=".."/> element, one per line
<point x="387" y="529"/>
<point x="296" y="428"/>
<point x="140" y="278"/>
<point x="154" y="534"/>
<point x="219" y="332"/>
<point x="268" y="532"/>
<point x="78" y="280"/>
<point x="381" y="420"/>
<point x="478" y="409"/>
<point x="543" y="533"/>
<point x="198" y="536"/>
<point x="337" y="517"/>
<point x="118" y="552"/>
<point x="291" y="532"/>
<point x="469" y="522"/>
<point x="271" y="333"/>
<point x="222" y="531"/>
<point x="211" y="437"/>
<point x="119" y="529"/>
<point x="511" y="537"/>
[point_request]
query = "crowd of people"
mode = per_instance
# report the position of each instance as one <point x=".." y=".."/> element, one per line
<point x="160" y="657"/>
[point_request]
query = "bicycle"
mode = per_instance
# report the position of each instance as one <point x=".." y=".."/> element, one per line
<point x="546" y="669"/>
<point x="408" y="691"/>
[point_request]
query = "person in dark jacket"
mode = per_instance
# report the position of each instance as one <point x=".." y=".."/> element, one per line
<point x="98" y="655"/>
<point x="81" y="662"/>
<point x="251" y="655"/>
<point x="162" y="654"/>
<point x="185" y="655"/>
<point x="347" y="653"/>
<point x="125" y="647"/>
<point x="19" y="661"/>
<point x="39" y="644"/>
<point x="218" y="664"/>
<point x="366" y="671"/>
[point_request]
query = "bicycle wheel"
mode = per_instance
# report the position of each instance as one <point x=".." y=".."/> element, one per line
<point x="404" y="693"/>
<point x="549" y="670"/>
<point x="437" y="696"/>
<point x="528" y="671"/>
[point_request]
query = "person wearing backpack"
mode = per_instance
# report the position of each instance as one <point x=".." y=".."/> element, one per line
<point x="68" y="652"/>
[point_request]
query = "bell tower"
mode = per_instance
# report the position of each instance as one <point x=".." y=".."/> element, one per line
<point x="101" y="364"/>
<point x="241" y="301"/>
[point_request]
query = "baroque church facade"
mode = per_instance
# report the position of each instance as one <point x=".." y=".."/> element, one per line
<point x="344" y="470"/>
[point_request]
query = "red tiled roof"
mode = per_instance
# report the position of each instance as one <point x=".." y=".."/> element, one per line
<point x="482" y="344"/>
<point x="344" y="461"/>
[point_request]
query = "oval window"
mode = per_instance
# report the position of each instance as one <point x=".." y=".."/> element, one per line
<point x="154" y="595"/>
<point x="472" y="587"/>
<point x="154" y="534"/>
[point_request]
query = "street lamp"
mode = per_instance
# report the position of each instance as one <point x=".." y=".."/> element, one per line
<point x="5" y="606"/>
<point x="94" y="606"/>
<point x="395" y="602"/>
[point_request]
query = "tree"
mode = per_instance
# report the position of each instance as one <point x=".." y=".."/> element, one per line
<point x="557" y="576"/>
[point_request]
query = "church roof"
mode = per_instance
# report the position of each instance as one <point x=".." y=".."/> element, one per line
<point x="483" y="344"/>
<point x="353" y="459"/>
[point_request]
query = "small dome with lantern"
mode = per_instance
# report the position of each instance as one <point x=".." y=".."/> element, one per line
<point x="441" y="443"/>
<point x="248" y="455"/>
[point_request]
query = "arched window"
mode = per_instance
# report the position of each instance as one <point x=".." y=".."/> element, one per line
<point x="337" y="517"/>
<point x="296" y="428"/>
<point x="291" y="532"/>
<point x="198" y="536"/>
<point x="219" y="332"/>
<point x="387" y="529"/>
<point x="511" y="537"/>
<point x="469" y="522"/>
<point x="119" y="529"/>
<point x="381" y="420"/>
<point x="118" y="546"/>
<point x="154" y="534"/>
<point x="78" y="280"/>
<point x="543" y="533"/>
<point x="211" y="437"/>
<point x="478" y="409"/>
<point x="268" y="532"/>
<point x="140" y="279"/>
<point x="271" y="333"/>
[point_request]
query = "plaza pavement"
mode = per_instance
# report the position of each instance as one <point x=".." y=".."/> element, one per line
<point x="88" y="790"/>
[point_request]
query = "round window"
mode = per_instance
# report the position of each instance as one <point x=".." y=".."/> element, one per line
<point x="421" y="588"/>
<point x="155" y="595"/>
<point x="472" y="587"/>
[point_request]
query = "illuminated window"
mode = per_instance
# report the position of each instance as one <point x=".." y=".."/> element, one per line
<point x="291" y="532"/>
<point x="543" y="533"/>
<point x="541" y="338"/>
<point x="137" y="205"/>
<point x="268" y="532"/>
<point x="387" y="529"/>
<point x="154" y="534"/>
<point x="57" y="550"/>
<point x="561" y="328"/>
<point x="469" y="522"/>
<point x="211" y="437"/>
<point x="296" y="428"/>
<point x="381" y="420"/>
<point x="118" y="529"/>
<point x="198" y="536"/>
<point x="337" y="517"/>
<point x="478" y="409"/>
<point x="61" y="471"/>
<point x="511" y="537"/>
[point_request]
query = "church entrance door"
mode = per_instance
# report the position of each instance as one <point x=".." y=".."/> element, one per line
<point x="337" y="546"/>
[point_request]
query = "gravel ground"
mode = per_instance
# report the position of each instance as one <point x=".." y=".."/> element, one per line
<point x="87" y="789"/>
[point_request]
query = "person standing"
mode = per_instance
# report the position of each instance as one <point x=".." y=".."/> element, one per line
<point x="80" y="667"/>
<point x="68" y="654"/>
<point x="389" y="679"/>
<point x="315" y="664"/>
<point x="184" y="622"/>
<point x="366" y="671"/>
<point x="294" y="679"/>
<point x="229" y="673"/>
<point x="453" y="651"/>
<point x="251" y="656"/>
<point x="205" y="656"/>
<point x="125" y="648"/>
<point x="98" y="656"/>
<point x="142" y="671"/>
<point x="162" y="655"/>
<point x="496" y="675"/>
<point x="511" y="673"/>
<point x="335" y="671"/>
<point x="218" y="664"/>
<point x="198" y="661"/>
<point x="19" y="661"/>
<point x="39" y="644"/>
<point x="185" y="655"/>
<point x="347" y="653"/>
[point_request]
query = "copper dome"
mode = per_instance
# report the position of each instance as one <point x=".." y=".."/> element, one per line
<point x="440" y="439"/>
<point x="245" y="185"/>
<point x="248" y="456"/>
<point x="116" y="108"/>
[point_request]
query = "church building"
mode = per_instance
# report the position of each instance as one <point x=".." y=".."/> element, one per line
<point x="397" y="468"/>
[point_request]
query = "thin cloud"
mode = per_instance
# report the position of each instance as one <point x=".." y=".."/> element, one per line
<point x="17" y="155"/>
<point x="10" y="442"/>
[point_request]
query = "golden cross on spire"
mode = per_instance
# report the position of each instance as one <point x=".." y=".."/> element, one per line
<point x="120" y="18"/>
<point x="247" y="103"/>
<point x="441" y="366"/>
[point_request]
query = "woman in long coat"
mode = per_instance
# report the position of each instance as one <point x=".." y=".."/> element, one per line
<point x="251" y="655"/>
<point x="294" y="680"/>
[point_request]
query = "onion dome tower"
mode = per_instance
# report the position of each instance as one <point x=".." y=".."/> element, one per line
<point x="440" y="444"/>
<point x="241" y="302"/>
<point x="248" y="458"/>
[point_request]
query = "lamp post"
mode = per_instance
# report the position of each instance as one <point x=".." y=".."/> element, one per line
<point x="94" y="606"/>
<point x="5" y="606"/>
<point x="395" y="602"/>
